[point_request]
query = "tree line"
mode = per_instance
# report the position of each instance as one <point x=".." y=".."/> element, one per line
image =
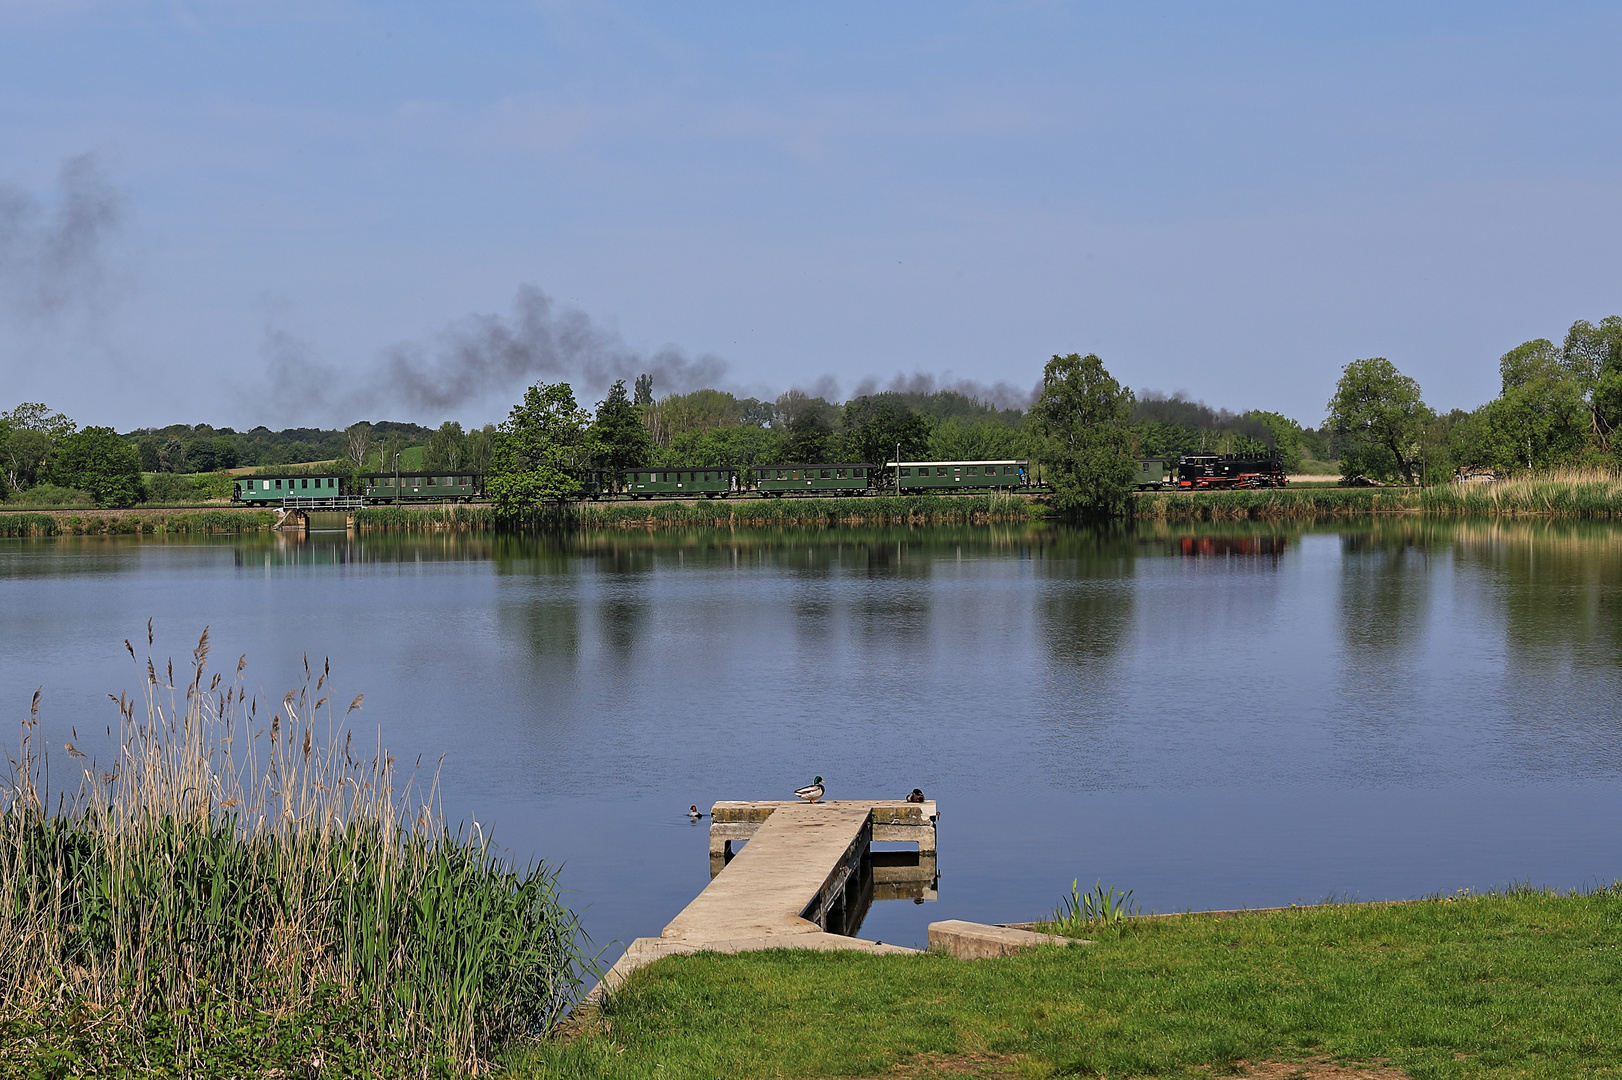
<point x="1559" y="405"/>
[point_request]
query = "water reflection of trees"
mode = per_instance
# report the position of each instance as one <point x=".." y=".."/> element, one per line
<point x="1559" y="585"/>
<point x="1384" y="594"/>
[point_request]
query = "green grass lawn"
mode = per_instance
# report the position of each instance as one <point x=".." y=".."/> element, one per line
<point x="1526" y="984"/>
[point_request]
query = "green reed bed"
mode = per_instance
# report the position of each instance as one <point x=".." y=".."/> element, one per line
<point x="128" y="524"/>
<point x="236" y="894"/>
<point x="1573" y="494"/>
<point x="425" y="518"/>
<point x="871" y="510"/>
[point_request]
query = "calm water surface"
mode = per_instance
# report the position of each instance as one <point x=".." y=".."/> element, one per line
<point x="1211" y="717"/>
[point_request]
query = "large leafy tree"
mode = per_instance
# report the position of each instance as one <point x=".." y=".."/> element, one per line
<point x="1082" y="423"/>
<point x="1593" y="356"/>
<point x="446" y="448"/>
<point x="1286" y="435"/>
<point x="618" y="439"/>
<point x="97" y="461"/>
<point x="28" y="435"/>
<point x="875" y="424"/>
<point x="1379" y="417"/>
<point x="533" y="450"/>
<point x="1541" y="418"/>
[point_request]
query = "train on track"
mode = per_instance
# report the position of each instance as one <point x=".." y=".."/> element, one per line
<point x="1210" y="472"/>
<point x="651" y="482"/>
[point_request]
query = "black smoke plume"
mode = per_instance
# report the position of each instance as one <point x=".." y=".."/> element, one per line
<point x="487" y="354"/>
<point x="53" y="259"/>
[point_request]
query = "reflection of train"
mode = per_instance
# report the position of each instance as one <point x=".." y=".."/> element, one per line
<point x="1209" y="546"/>
<point x="1205" y="472"/>
<point x="649" y="482"/>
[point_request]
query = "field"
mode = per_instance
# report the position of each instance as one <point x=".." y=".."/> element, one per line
<point x="1523" y="984"/>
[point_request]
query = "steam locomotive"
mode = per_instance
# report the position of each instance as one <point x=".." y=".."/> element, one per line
<point x="1210" y="472"/>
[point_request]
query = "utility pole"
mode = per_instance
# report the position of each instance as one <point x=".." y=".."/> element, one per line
<point x="898" y="468"/>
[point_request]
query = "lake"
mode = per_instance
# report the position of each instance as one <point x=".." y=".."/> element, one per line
<point x="1210" y="716"/>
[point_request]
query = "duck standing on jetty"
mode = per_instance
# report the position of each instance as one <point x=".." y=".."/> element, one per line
<point x="812" y="791"/>
<point x="915" y="795"/>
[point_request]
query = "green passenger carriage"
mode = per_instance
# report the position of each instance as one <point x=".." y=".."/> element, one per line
<point x="421" y="487"/>
<point x="959" y="475"/>
<point x="709" y="483"/>
<point x="267" y="490"/>
<point x="781" y="479"/>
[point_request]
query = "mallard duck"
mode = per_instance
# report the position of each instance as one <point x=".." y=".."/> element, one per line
<point x="812" y="791"/>
<point x="915" y="795"/>
<point x="693" y="813"/>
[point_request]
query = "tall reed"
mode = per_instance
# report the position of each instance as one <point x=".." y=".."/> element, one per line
<point x="226" y="866"/>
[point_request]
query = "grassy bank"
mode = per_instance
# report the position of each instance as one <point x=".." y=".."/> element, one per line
<point x="236" y="896"/>
<point x="113" y="523"/>
<point x="1571" y="494"/>
<point x="727" y="513"/>
<point x="1520" y="984"/>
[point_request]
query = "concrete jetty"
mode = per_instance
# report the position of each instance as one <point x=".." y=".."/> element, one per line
<point x="794" y="884"/>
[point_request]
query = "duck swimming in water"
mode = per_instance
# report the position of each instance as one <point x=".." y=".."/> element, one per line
<point x="812" y="791"/>
<point x="693" y="813"/>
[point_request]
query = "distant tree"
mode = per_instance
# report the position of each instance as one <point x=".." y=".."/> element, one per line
<point x="225" y="452"/>
<point x="740" y="447"/>
<point x="172" y="456"/>
<point x="534" y="446"/>
<point x="1540" y="419"/>
<point x="1081" y="421"/>
<point x="446" y="448"/>
<point x="617" y="438"/>
<point x="148" y="445"/>
<point x="752" y="412"/>
<point x="875" y="424"/>
<point x="1286" y="435"/>
<point x="480" y="444"/>
<point x="200" y="455"/>
<point x="644" y="390"/>
<point x="1593" y="356"/>
<point x="96" y="460"/>
<point x="357" y="445"/>
<point x="390" y="453"/>
<point x="958" y="439"/>
<point x="808" y="423"/>
<point x="1379" y="418"/>
<point x="31" y="434"/>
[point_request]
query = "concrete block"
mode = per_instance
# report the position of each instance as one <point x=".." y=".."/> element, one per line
<point x="977" y="941"/>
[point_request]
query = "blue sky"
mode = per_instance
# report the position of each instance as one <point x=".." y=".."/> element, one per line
<point x="303" y="206"/>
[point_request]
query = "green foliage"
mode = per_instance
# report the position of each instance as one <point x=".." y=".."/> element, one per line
<point x="1081" y="911"/>
<point x="807" y="424"/>
<point x="52" y="495"/>
<point x="1286" y="437"/>
<point x="28" y="436"/>
<point x="876" y="424"/>
<point x="446" y="450"/>
<point x="96" y="460"/>
<point x="1081" y="421"/>
<point x="958" y="439"/>
<point x="738" y="447"/>
<point x="1379" y="419"/>
<point x="618" y="439"/>
<point x="532" y="449"/>
<point x="1593" y="356"/>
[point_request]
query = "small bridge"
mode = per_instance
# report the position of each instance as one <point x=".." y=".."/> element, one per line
<point x="802" y="881"/>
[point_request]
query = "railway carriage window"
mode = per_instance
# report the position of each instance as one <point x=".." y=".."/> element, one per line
<point x="839" y="474"/>
<point x="826" y="474"/>
<point x="940" y="470"/>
